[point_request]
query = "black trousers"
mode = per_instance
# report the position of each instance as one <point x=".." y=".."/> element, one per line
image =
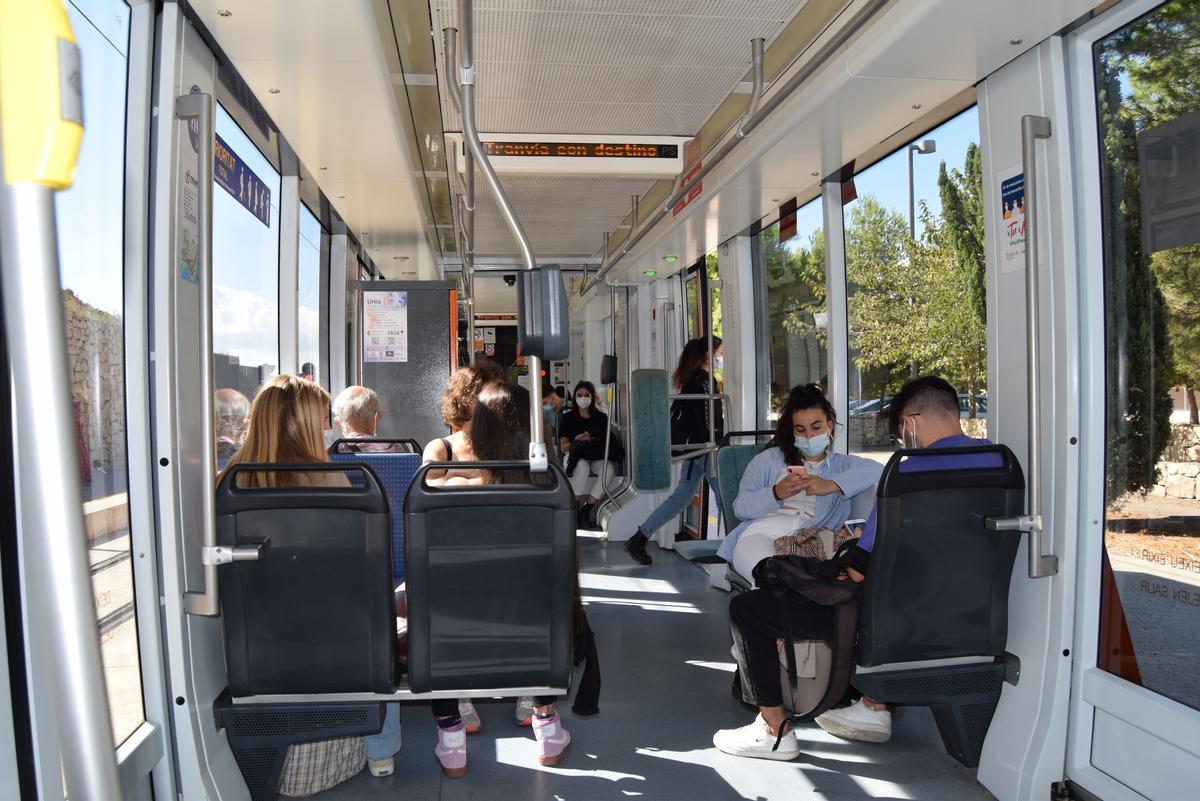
<point x="445" y="707"/>
<point x="757" y="622"/>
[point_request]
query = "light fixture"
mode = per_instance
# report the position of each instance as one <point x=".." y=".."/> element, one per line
<point x="341" y="197"/>
<point x="1015" y="42"/>
<point x="916" y="106"/>
<point x="649" y="273"/>
<point x="925" y="146"/>
<point x="670" y="259"/>
<point x="225" y="12"/>
<point x="814" y="173"/>
<point x="400" y="258"/>
<point x="774" y="200"/>
<point x="324" y="168"/>
<point x="273" y="91"/>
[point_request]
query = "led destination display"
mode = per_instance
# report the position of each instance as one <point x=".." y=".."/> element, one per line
<point x="599" y="150"/>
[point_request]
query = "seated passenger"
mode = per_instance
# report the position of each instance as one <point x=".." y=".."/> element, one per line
<point x="356" y="413"/>
<point x="286" y="422"/>
<point x="499" y="430"/>
<point x="581" y="435"/>
<point x="458" y="402"/>
<point x="796" y="482"/>
<point x="552" y="412"/>
<point x="924" y="414"/>
<point x="233" y="414"/>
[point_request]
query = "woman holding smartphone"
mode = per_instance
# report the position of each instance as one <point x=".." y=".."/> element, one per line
<point x="796" y="482"/>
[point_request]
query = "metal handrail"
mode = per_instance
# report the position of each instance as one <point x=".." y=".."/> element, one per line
<point x="742" y="129"/>
<point x="1034" y="128"/>
<point x="538" y="459"/>
<point x="200" y="107"/>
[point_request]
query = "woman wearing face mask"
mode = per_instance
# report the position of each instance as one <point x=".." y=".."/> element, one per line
<point x="689" y="428"/>
<point x="796" y="482"/>
<point x="581" y="435"/>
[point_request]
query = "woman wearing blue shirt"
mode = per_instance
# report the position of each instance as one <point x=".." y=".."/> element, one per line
<point x="797" y="482"/>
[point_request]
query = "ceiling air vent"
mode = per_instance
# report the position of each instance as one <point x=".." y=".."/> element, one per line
<point x="580" y="154"/>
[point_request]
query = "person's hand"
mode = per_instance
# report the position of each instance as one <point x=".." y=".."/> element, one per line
<point x="850" y="574"/>
<point x="813" y="485"/>
<point x="790" y="485"/>
<point x="584" y="437"/>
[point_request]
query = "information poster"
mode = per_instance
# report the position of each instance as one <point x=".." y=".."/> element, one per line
<point x="1011" y="226"/>
<point x="188" y="221"/>
<point x="385" y="326"/>
<point x="489" y="336"/>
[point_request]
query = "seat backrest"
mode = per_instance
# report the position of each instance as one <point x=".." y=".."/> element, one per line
<point x="314" y="613"/>
<point x="731" y="466"/>
<point x="650" y="431"/>
<point x="374" y="445"/>
<point x="938" y="584"/>
<point x="490" y="576"/>
<point x="395" y="471"/>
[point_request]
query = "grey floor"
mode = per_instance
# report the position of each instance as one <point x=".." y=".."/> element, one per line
<point x="664" y="650"/>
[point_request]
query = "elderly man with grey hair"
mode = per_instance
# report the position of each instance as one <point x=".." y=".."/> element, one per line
<point x="233" y="414"/>
<point x="356" y="412"/>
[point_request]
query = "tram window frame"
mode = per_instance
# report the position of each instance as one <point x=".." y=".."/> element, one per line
<point x="319" y="358"/>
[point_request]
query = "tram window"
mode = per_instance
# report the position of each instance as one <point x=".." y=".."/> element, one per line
<point x="309" y="285"/>
<point x="1148" y="98"/>
<point x="916" y="305"/>
<point x="245" y="264"/>
<point x="793" y="273"/>
<point x="91" y="226"/>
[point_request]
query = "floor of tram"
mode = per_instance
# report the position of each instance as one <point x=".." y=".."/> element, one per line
<point x="663" y="641"/>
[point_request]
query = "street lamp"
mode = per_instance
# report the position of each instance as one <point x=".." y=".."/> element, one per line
<point x="924" y="147"/>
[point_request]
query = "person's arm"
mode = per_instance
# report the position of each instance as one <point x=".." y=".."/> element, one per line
<point x="756" y="492"/>
<point x="435" y="451"/>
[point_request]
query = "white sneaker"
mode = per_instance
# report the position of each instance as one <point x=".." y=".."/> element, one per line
<point x="524" y="711"/>
<point x="858" y="722"/>
<point x="382" y="767"/>
<point x="755" y="740"/>
<point x="470" y="718"/>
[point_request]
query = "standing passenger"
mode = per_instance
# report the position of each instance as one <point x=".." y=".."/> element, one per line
<point x="689" y="426"/>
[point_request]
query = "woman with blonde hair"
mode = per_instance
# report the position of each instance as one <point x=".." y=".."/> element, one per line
<point x="287" y="419"/>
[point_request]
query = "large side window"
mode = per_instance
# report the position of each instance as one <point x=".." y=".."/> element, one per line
<point x="915" y="262"/>
<point x="309" y="281"/>
<point x="91" y="226"/>
<point x="245" y="262"/>
<point x="793" y="273"/>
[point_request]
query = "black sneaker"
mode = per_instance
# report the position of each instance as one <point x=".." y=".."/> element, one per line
<point x="635" y="546"/>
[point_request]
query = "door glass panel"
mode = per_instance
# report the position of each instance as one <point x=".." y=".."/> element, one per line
<point x="691" y="305"/>
<point x="915" y="280"/>
<point x="91" y="226"/>
<point x="1148" y="91"/>
<point x="797" y="318"/>
<point x="245" y="264"/>
<point x="309" y="285"/>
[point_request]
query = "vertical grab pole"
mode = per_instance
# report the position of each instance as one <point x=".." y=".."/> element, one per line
<point x="199" y="106"/>
<point x="1034" y="128"/>
<point x="41" y="126"/>
<point x="538" y="460"/>
<point x="449" y="50"/>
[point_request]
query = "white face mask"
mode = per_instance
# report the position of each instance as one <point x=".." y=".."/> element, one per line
<point x="812" y="446"/>
<point x="719" y="362"/>
<point x="583" y="401"/>
<point x="908" y="434"/>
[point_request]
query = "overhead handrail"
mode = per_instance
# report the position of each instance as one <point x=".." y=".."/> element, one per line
<point x="756" y="58"/>
<point x="1041" y="565"/>
<point x="41" y="125"/>
<point x="742" y="129"/>
<point x="199" y="106"/>
<point x="538" y="460"/>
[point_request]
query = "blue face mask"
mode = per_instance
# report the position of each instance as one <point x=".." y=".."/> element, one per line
<point x="812" y="446"/>
<point x="548" y="407"/>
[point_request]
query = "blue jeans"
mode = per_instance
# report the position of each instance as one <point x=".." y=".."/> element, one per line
<point x="385" y="744"/>
<point x="681" y="496"/>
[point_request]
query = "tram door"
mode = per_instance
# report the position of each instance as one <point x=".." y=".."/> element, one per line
<point x="1135" y="714"/>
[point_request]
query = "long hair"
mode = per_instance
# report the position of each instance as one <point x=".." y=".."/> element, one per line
<point x="802" y="396"/>
<point x="500" y="429"/>
<point x="591" y="388"/>
<point x="287" y="419"/>
<point x="462" y="389"/>
<point x="692" y="359"/>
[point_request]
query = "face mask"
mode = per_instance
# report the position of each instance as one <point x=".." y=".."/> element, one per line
<point x="547" y="407"/>
<point x="583" y="402"/>
<point x="908" y="436"/>
<point x="719" y="362"/>
<point x="812" y="446"/>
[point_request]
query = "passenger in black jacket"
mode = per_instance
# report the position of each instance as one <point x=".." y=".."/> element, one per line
<point x="689" y="430"/>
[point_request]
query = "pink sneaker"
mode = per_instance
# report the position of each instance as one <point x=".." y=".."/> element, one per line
<point x="451" y="751"/>
<point x="552" y="740"/>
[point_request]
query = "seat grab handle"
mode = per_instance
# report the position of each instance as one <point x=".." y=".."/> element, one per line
<point x="1018" y="523"/>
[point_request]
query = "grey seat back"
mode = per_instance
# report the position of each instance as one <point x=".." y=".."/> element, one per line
<point x="314" y="613"/>
<point x="939" y="578"/>
<point x="490" y="575"/>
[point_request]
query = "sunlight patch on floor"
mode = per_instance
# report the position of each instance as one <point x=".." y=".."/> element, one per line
<point x="521" y="752"/>
<point x="648" y="605"/>
<point x="727" y="667"/>
<point x="609" y="583"/>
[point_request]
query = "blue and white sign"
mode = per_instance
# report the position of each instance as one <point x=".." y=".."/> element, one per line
<point x="240" y="181"/>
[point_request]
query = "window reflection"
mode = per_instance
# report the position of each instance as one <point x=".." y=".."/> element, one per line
<point x="91" y="225"/>
<point x="309" y="286"/>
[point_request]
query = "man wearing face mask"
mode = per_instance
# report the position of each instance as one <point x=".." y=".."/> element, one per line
<point x="925" y="414"/>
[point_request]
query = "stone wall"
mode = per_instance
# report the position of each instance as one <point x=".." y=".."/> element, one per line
<point x="95" y="350"/>
<point x="1179" y="472"/>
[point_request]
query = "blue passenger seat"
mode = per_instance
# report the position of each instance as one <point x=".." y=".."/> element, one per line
<point x="395" y="471"/>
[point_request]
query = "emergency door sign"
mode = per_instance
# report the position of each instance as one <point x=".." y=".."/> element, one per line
<point x="385" y="327"/>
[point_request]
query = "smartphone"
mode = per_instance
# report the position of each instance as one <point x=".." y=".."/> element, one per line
<point x="850" y="525"/>
<point x="797" y="470"/>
